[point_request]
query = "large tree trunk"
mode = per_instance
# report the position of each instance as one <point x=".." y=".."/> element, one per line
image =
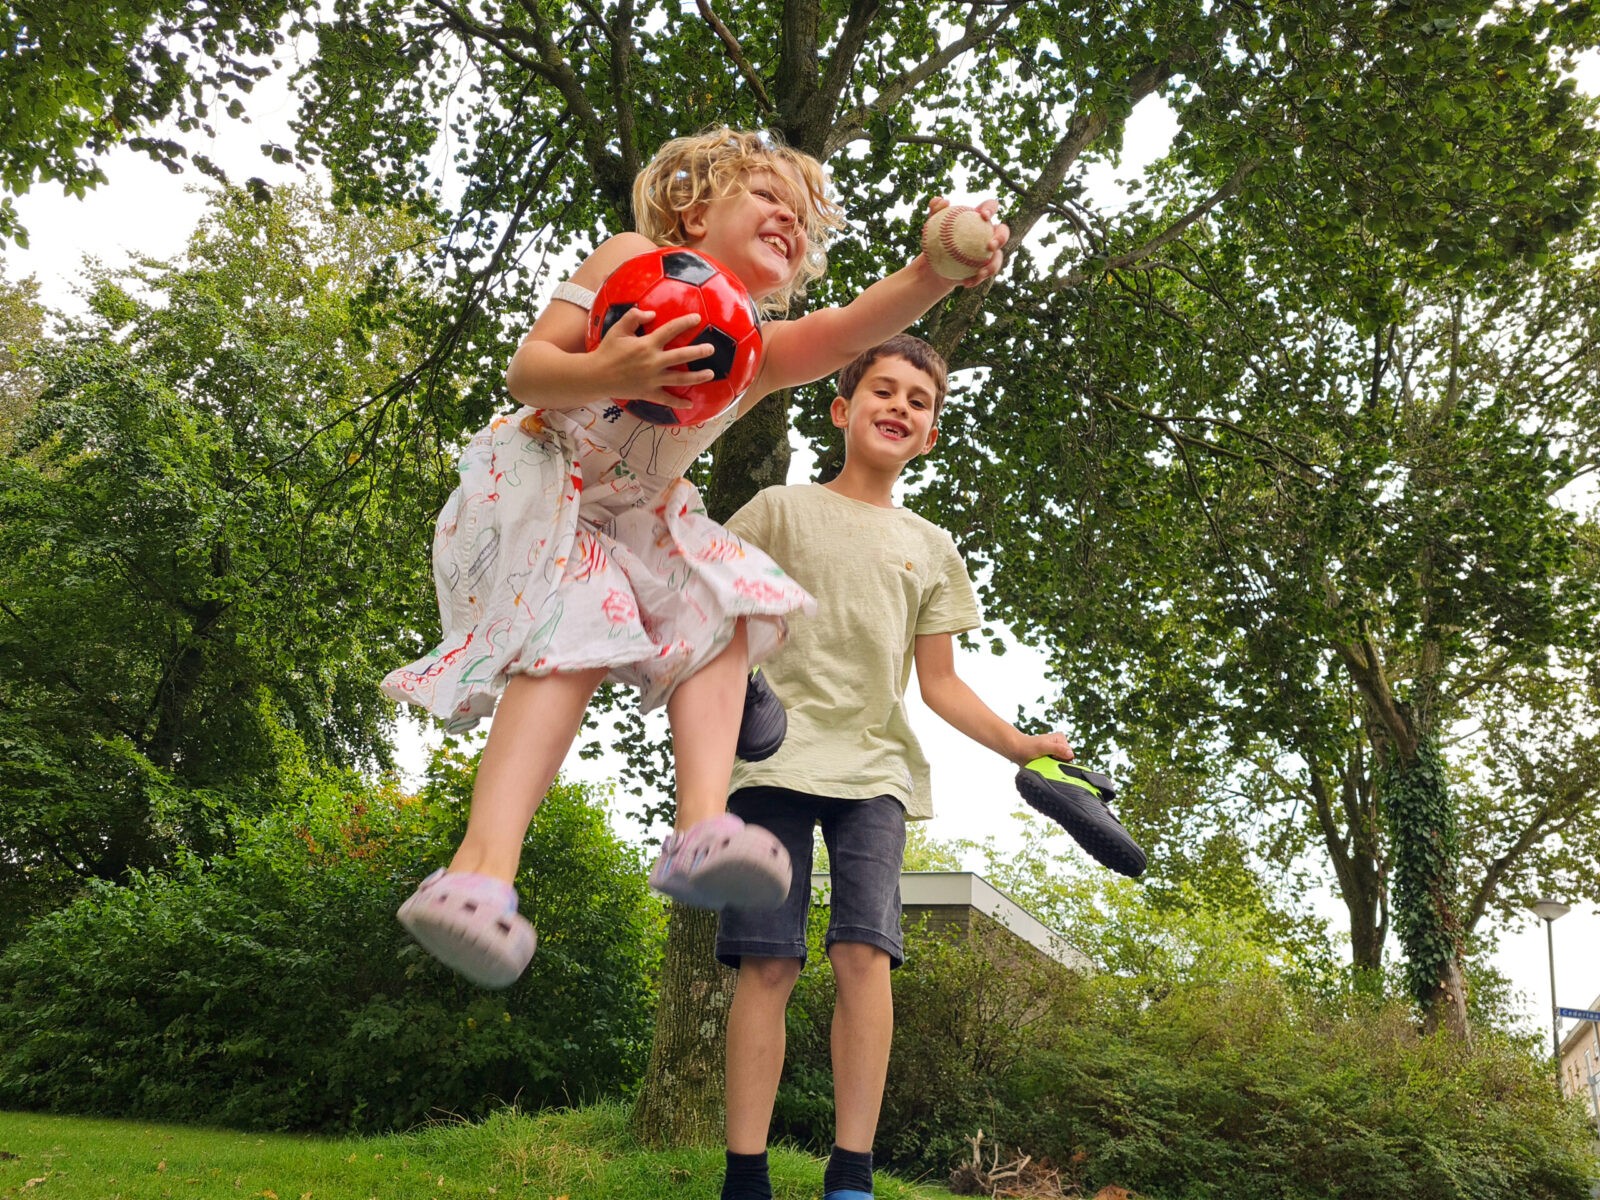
<point x="1346" y="807"/>
<point x="1446" y="1007"/>
<point x="681" y="1100"/>
<point x="1368" y="928"/>
<point x="1424" y="845"/>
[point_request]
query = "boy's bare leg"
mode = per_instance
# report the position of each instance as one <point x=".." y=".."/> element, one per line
<point x="756" y="1048"/>
<point x="704" y="712"/>
<point x="534" y="725"/>
<point x="863" y="1028"/>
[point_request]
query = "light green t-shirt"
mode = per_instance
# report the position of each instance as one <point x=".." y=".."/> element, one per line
<point x="882" y="578"/>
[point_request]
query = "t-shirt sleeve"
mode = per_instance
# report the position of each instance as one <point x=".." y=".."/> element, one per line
<point x="950" y="605"/>
<point x="753" y="522"/>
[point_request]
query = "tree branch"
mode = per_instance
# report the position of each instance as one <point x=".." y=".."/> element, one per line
<point x="953" y="324"/>
<point x="1366" y="669"/>
<point x="731" y="44"/>
<point x="1171" y="234"/>
<point x="853" y="124"/>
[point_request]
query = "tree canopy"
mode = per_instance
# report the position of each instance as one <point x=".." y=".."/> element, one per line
<point x="204" y="557"/>
<point x="79" y="79"/>
<point x="1254" y="411"/>
<point x="1292" y="544"/>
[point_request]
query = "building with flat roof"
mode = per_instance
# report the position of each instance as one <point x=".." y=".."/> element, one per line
<point x="965" y="901"/>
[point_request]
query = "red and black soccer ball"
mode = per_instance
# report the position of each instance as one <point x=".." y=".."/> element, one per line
<point x="673" y="282"/>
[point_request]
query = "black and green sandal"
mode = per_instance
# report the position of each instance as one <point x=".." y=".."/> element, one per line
<point x="765" y="723"/>
<point x="1080" y="802"/>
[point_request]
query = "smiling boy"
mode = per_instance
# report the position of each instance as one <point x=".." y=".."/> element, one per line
<point x="892" y="592"/>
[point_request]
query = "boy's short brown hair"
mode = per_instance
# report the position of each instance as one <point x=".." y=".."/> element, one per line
<point x="689" y="171"/>
<point x="909" y="347"/>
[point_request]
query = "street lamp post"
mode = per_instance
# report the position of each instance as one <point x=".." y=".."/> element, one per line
<point x="1549" y="911"/>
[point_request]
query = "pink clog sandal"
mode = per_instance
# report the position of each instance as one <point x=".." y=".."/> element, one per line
<point x="723" y="863"/>
<point x="470" y="923"/>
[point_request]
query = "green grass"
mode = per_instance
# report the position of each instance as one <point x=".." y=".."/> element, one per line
<point x="582" y="1154"/>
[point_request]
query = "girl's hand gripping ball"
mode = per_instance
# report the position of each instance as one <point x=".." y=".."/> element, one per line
<point x="674" y="282"/>
<point x="956" y="241"/>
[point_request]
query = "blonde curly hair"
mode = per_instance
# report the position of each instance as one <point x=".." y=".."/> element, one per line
<point x="689" y="171"/>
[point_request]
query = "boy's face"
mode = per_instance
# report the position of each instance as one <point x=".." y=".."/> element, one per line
<point x="753" y="231"/>
<point x="889" y="419"/>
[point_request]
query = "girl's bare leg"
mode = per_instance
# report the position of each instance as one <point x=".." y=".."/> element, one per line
<point x="534" y="725"/>
<point x="704" y="712"/>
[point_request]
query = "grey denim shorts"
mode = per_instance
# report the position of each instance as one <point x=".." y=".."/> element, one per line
<point x="866" y="842"/>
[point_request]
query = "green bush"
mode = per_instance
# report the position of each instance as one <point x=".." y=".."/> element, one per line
<point x="273" y="989"/>
<point x="1242" y="1089"/>
<point x="1225" y="1084"/>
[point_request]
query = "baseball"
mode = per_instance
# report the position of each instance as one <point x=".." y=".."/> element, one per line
<point x="956" y="241"/>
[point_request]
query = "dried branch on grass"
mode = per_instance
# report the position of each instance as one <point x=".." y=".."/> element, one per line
<point x="1021" y="1178"/>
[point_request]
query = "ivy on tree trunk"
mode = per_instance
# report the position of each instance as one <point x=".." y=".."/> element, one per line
<point x="1426" y="846"/>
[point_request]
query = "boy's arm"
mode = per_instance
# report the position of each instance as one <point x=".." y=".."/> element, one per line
<point x="948" y="695"/>
<point x="552" y="370"/>
<point x="821" y="342"/>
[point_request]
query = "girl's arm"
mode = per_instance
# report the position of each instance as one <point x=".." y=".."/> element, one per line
<point x="819" y="343"/>
<point x="948" y="695"/>
<point x="552" y="370"/>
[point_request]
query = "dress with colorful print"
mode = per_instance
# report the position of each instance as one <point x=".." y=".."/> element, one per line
<point x="574" y="542"/>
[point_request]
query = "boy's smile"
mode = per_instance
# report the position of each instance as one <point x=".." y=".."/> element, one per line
<point x="890" y="418"/>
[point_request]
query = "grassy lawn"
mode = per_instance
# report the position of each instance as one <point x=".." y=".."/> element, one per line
<point x="581" y="1155"/>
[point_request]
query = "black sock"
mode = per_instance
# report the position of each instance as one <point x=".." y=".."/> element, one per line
<point x="848" y="1171"/>
<point x="746" y="1177"/>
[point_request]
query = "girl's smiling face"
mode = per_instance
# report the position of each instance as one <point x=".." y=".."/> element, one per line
<point x="753" y="231"/>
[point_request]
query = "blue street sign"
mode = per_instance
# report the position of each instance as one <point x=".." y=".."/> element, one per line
<point x="1580" y="1014"/>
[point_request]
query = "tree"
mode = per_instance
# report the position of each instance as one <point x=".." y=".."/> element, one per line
<point x="79" y="79"/>
<point x="203" y="550"/>
<point x="21" y="329"/>
<point x="1316" y="123"/>
<point x="1320" y="126"/>
<point x="1311" y="545"/>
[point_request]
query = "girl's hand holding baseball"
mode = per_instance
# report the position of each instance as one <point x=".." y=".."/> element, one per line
<point x="955" y="247"/>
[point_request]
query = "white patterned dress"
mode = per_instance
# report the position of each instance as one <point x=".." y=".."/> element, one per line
<point x="573" y="542"/>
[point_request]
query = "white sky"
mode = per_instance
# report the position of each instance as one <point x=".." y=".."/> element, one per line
<point x="147" y="211"/>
